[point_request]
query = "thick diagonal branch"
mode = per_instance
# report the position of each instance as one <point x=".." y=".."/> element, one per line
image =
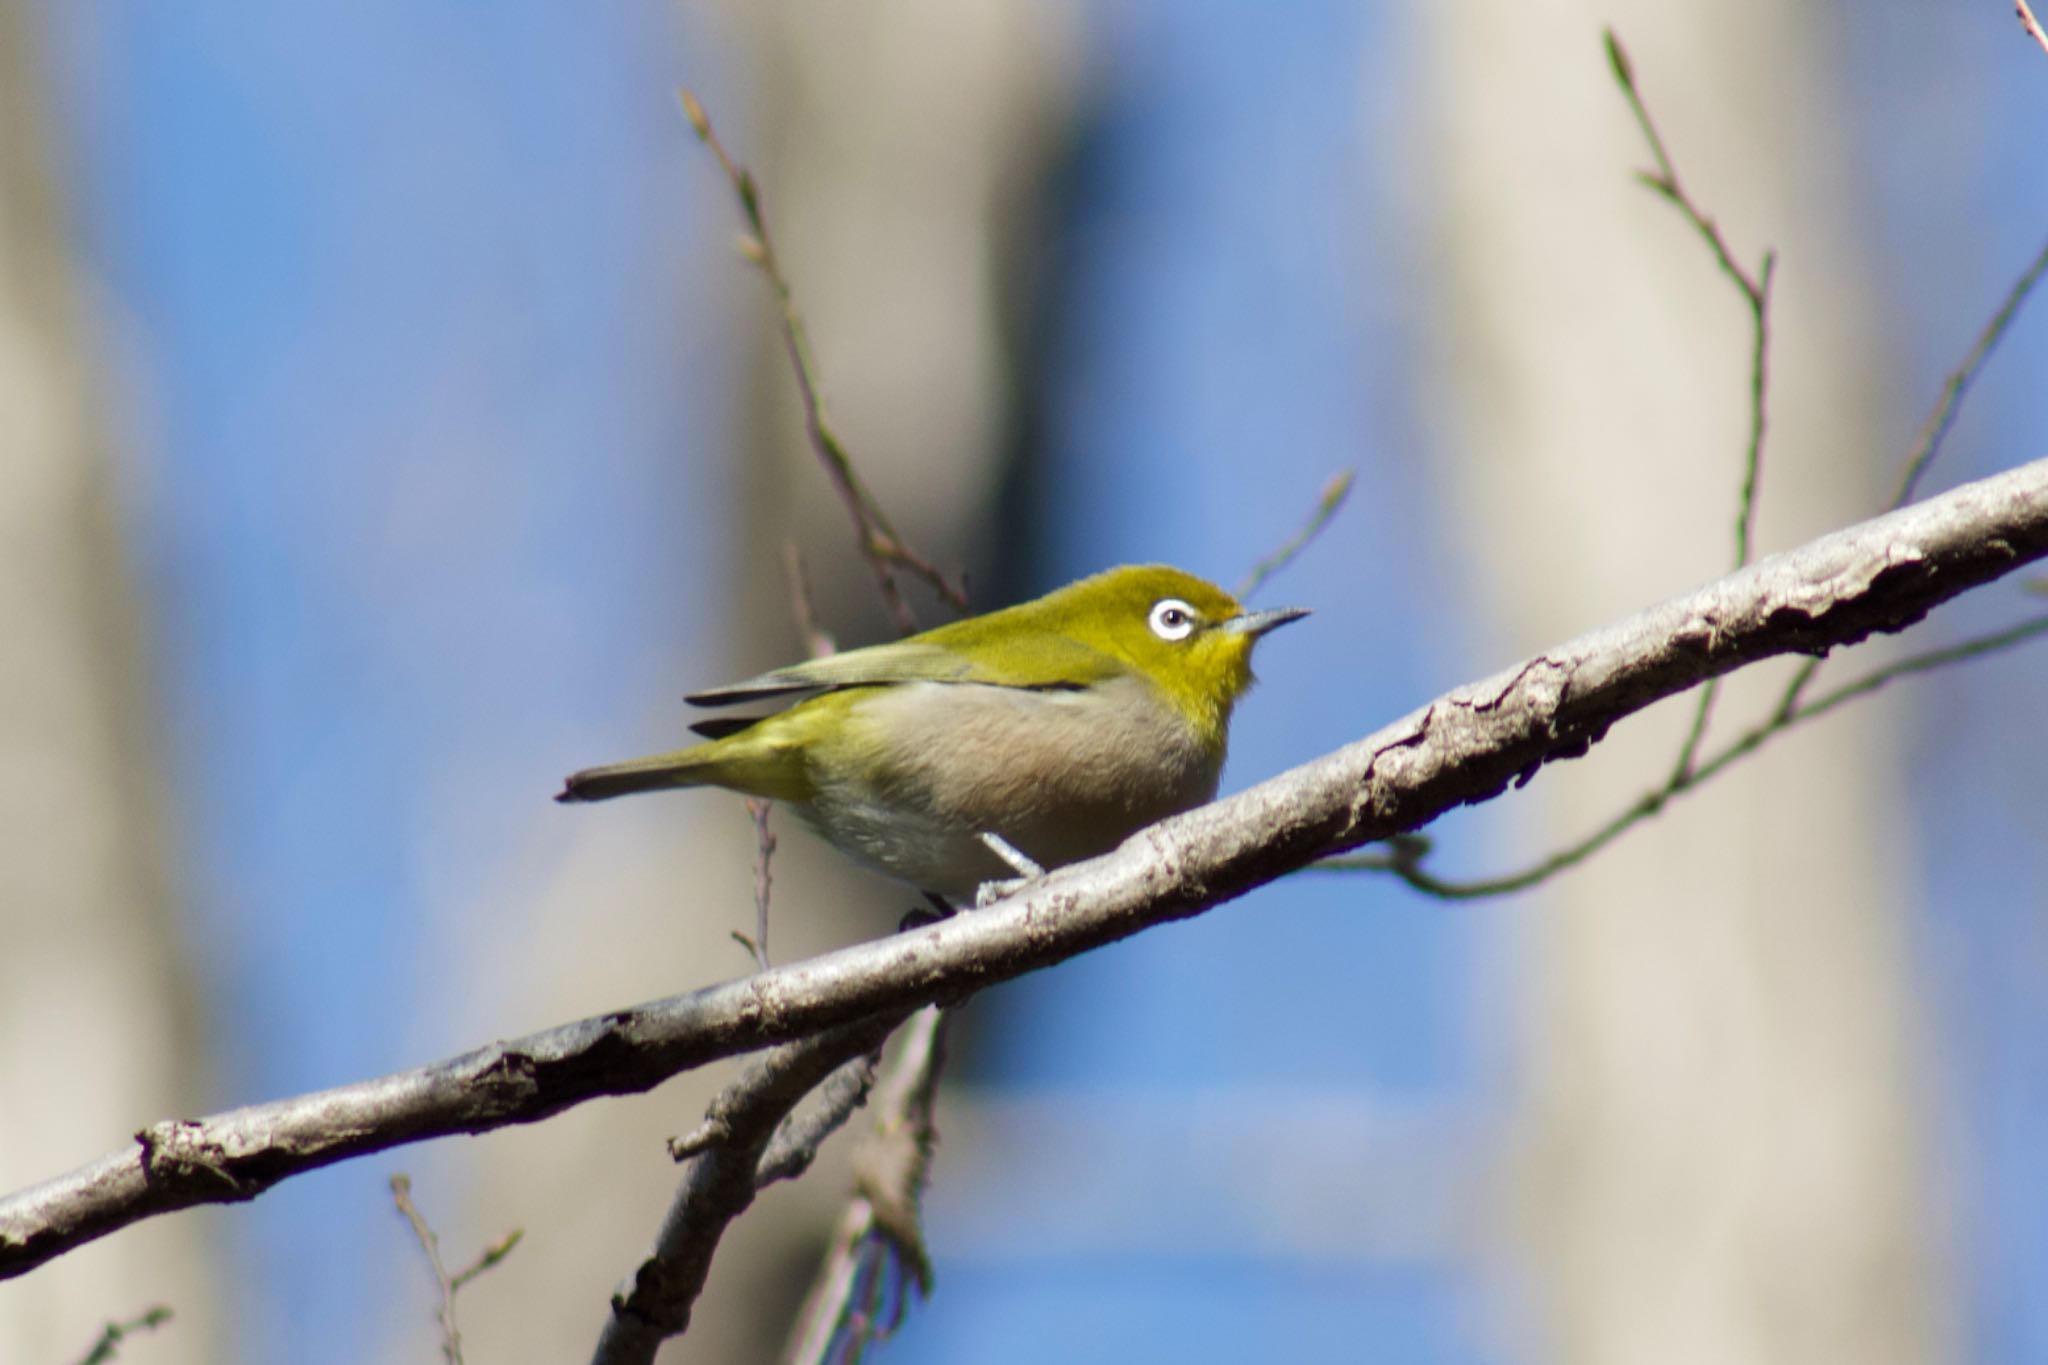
<point x="1464" y="747"/>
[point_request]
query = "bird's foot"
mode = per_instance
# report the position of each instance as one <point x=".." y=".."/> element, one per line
<point x="1027" y="870"/>
<point x="988" y="893"/>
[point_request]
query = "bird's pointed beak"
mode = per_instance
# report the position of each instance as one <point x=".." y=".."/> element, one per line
<point x="1257" y="623"/>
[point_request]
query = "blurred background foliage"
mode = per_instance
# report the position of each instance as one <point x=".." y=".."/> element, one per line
<point x="389" y="428"/>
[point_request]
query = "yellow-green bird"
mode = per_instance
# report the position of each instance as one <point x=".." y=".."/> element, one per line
<point x="990" y="748"/>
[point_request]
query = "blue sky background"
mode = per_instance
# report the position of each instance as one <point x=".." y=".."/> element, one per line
<point x="405" y="299"/>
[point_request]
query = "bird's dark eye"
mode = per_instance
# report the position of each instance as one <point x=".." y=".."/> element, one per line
<point x="1171" y="619"/>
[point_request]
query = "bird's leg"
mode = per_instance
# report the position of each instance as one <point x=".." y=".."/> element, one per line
<point x="1018" y="860"/>
<point x="1027" y="870"/>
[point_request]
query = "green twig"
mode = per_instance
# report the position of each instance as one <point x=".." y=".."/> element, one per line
<point x="1936" y="428"/>
<point x="445" y="1284"/>
<point x="491" y="1255"/>
<point x="1756" y="296"/>
<point x="114" y="1333"/>
<point x="1327" y="502"/>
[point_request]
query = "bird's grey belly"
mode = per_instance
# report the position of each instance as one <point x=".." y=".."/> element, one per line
<point x="1061" y="775"/>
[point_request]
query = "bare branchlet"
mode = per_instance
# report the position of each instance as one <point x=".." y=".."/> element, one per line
<point x="1934" y="431"/>
<point x="817" y="641"/>
<point x="446" y="1286"/>
<point x="756" y="943"/>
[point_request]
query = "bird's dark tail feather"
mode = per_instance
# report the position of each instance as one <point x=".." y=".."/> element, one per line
<point x="624" y="779"/>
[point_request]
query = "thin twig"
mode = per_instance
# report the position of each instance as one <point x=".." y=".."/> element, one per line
<point x="1934" y="431"/>
<point x="877" y="1253"/>
<point x="2031" y="24"/>
<point x="1756" y="294"/>
<point x="885" y="550"/>
<point x="1795" y="687"/>
<point x="1756" y="289"/>
<point x="1759" y="379"/>
<point x="1696" y="733"/>
<point x="1327" y="503"/>
<point x="1404" y="857"/>
<point x="114" y="1333"/>
<point x="487" y="1258"/>
<point x="817" y="641"/>
<point x="764" y="850"/>
<point x="444" y="1284"/>
<point x="1664" y="180"/>
<point x="1936" y="428"/>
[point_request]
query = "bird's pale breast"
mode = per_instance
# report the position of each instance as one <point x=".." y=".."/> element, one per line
<point x="1061" y="774"/>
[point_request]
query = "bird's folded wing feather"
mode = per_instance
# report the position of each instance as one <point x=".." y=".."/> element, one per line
<point x="1040" y="661"/>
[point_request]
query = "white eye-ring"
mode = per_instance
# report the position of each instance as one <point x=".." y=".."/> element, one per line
<point x="1172" y="619"/>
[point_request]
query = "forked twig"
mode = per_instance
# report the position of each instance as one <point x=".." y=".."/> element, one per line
<point x="1756" y="288"/>
<point x="1756" y="295"/>
<point x="445" y="1284"/>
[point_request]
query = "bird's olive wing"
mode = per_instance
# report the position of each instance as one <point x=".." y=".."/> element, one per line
<point x="945" y="655"/>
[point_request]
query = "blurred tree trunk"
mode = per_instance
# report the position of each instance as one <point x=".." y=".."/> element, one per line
<point x="1721" y="1148"/>
<point x="96" y="1028"/>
